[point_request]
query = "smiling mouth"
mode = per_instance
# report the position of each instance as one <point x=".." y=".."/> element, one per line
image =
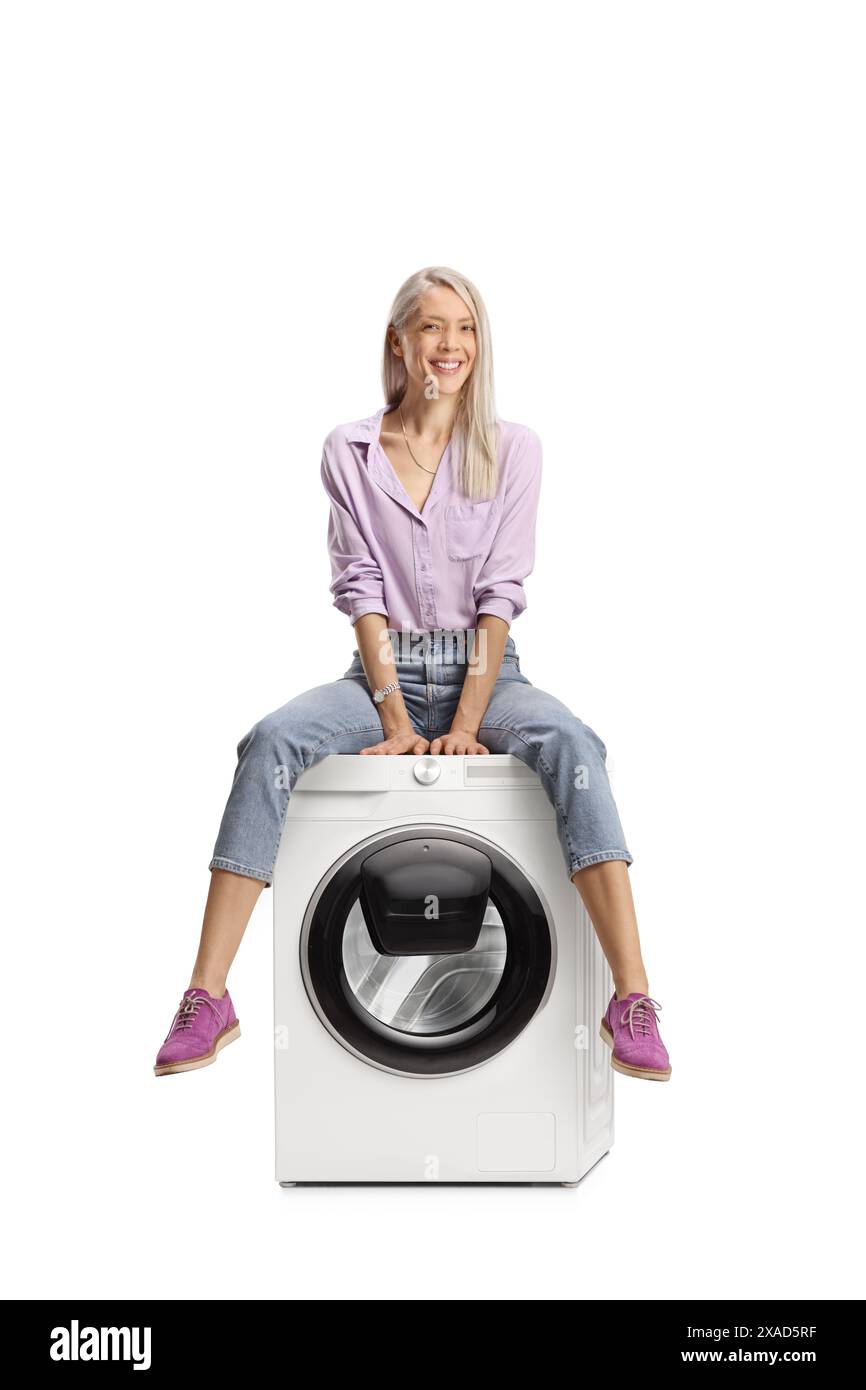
<point x="447" y="368"/>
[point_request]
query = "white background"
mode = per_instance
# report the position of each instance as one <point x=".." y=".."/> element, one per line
<point x="208" y="209"/>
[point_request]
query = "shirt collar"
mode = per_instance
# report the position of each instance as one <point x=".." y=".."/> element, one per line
<point x="367" y="431"/>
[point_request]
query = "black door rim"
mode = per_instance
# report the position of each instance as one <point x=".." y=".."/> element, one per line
<point x="524" y="989"/>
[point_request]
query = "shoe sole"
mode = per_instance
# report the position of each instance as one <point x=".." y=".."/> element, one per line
<point x="643" y="1073"/>
<point x="222" y="1040"/>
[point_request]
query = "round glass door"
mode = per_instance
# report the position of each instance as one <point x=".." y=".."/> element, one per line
<point x="372" y="969"/>
<point x="424" y="994"/>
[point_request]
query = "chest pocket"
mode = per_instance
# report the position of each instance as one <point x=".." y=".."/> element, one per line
<point x="469" y="529"/>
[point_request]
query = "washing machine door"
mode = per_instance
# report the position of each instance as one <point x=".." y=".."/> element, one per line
<point x="426" y="950"/>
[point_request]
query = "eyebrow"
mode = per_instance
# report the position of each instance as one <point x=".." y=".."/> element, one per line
<point x="439" y="319"/>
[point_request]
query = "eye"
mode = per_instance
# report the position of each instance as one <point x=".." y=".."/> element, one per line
<point x="470" y="327"/>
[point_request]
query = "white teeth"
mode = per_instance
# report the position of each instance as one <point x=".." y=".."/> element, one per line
<point x="448" y="366"/>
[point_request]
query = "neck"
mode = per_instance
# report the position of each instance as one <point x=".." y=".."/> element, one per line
<point x="432" y="421"/>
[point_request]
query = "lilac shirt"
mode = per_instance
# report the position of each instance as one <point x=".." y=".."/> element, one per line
<point x="439" y="568"/>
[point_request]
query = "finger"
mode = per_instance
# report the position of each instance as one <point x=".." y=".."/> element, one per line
<point x="436" y="746"/>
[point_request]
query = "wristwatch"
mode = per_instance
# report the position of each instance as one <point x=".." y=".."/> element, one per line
<point x="379" y="695"/>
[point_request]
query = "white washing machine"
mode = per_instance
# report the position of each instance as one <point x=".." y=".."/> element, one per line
<point x="438" y="984"/>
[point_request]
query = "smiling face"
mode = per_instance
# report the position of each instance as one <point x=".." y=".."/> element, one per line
<point x="438" y="341"/>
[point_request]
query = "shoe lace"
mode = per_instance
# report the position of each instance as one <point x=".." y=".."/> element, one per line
<point x="188" y="1012"/>
<point x="641" y="1014"/>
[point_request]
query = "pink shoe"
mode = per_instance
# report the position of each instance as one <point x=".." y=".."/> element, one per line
<point x="630" y="1028"/>
<point x="201" y="1026"/>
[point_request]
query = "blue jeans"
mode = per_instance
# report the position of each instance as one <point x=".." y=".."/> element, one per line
<point x="340" y="717"/>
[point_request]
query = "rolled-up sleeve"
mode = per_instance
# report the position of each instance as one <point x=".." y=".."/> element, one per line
<point x="499" y="585"/>
<point x="356" y="577"/>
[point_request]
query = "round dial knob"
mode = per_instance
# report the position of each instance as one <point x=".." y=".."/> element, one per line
<point x="427" y="770"/>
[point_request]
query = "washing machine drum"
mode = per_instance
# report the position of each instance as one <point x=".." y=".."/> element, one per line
<point x="426" y="951"/>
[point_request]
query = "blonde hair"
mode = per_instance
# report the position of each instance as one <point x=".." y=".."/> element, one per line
<point x="475" y="433"/>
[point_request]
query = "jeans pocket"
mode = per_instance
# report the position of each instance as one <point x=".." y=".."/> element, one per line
<point x="469" y="529"/>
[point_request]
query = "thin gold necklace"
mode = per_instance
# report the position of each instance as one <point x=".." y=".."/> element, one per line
<point x="435" y="470"/>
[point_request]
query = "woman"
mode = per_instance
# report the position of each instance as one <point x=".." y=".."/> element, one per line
<point x="431" y="535"/>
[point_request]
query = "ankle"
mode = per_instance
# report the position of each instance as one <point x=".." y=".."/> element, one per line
<point x="631" y="987"/>
<point x="215" y="988"/>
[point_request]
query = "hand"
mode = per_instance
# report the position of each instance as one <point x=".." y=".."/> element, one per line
<point x="457" y="741"/>
<point x="406" y="742"/>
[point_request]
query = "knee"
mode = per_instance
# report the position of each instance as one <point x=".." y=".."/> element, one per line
<point x="583" y="743"/>
<point x="266" y="736"/>
<point x="597" y="743"/>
